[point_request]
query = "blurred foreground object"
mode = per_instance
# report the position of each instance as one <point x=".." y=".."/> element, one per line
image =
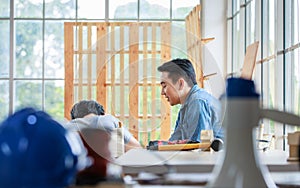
<point x="36" y="151"/>
<point x="96" y="142"/>
<point x="294" y="143"/>
<point x="240" y="165"/>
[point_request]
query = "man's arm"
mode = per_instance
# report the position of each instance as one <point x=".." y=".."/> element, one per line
<point x="129" y="141"/>
<point x="132" y="144"/>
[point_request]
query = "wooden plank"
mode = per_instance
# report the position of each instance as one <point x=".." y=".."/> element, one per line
<point x="198" y="49"/>
<point x="101" y="64"/>
<point x="165" y="56"/>
<point x="89" y="63"/>
<point x="111" y="51"/>
<point x="122" y="75"/>
<point x="144" y="138"/>
<point x="133" y="79"/>
<point x="198" y="18"/>
<point x="207" y="40"/>
<point x="153" y="83"/>
<point x="180" y="147"/>
<point x="193" y="35"/>
<point x="80" y="58"/>
<point x="69" y="66"/>
<point x="115" y="23"/>
<point x="249" y="61"/>
<point x="187" y="33"/>
<point x="113" y="70"/>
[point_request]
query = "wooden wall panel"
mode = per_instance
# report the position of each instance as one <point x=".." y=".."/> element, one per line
<point x="194" y="42"/>
<point x="126" y="48"/>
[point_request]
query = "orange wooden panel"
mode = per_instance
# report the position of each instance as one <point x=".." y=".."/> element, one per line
<point x="102" y="54"/>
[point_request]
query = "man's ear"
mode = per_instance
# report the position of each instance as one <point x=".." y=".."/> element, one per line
<point x="181" y="83"/>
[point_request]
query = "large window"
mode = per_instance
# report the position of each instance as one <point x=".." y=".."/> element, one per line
<point x="32" y="43"/>
<point x="275" y="24"/>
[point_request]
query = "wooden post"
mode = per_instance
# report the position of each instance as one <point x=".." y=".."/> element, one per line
<point x="69" y="66"/>
<point x="133" y="79"/>
<point x="144" y="134"/>
<point x="101" y="64"/>
<point x="79" y="70"/>
<point x="122" y="75"/>
<point x="153" y="83"/>
<point x="165" y="56"/>
<point x="89" y="63"/>
<point x="113" y="69"/>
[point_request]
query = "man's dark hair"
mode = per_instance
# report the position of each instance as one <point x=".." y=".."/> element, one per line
<point x="85" y="107"/>
<point x="179" y="68"/>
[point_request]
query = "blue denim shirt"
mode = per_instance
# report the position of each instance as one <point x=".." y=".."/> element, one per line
<point x="200" y="111"/>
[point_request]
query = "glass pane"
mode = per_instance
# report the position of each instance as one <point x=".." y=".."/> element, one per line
<point x="272" y="28"/>
<point x="296" y="22"/>
<point x="4" y="8"/>
<point x="155" y="9"/>
<point x="250" y="25"/>
<point x="60" y="9"/>
<point x="123" y="9"/>
<point x="54" y="99"/>
<point x="4" y="49"/>
<point x="29" y="49"/>
<point x="54" y="49"/>
<point x="91" y="9"/>
<point x="180" y="9"/>
<point x="296" y="82"/>
<point x="178" y="48"/>
<point x="269" y="92"/>
<point x="28" y="94"/>
<point x="236" y="6"/>
<point x="29" y="9"/>
<point x="4" y="99"/>
<point x="238" y="50"/>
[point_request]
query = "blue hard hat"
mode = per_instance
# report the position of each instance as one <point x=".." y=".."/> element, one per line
<point x="35" y="151"/>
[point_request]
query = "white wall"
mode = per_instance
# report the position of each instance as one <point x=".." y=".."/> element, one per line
<point x="214" y="24"/>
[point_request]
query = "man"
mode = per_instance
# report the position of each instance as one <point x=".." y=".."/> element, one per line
<point x="199" y="110"/>
<point x="89" y="113"/>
